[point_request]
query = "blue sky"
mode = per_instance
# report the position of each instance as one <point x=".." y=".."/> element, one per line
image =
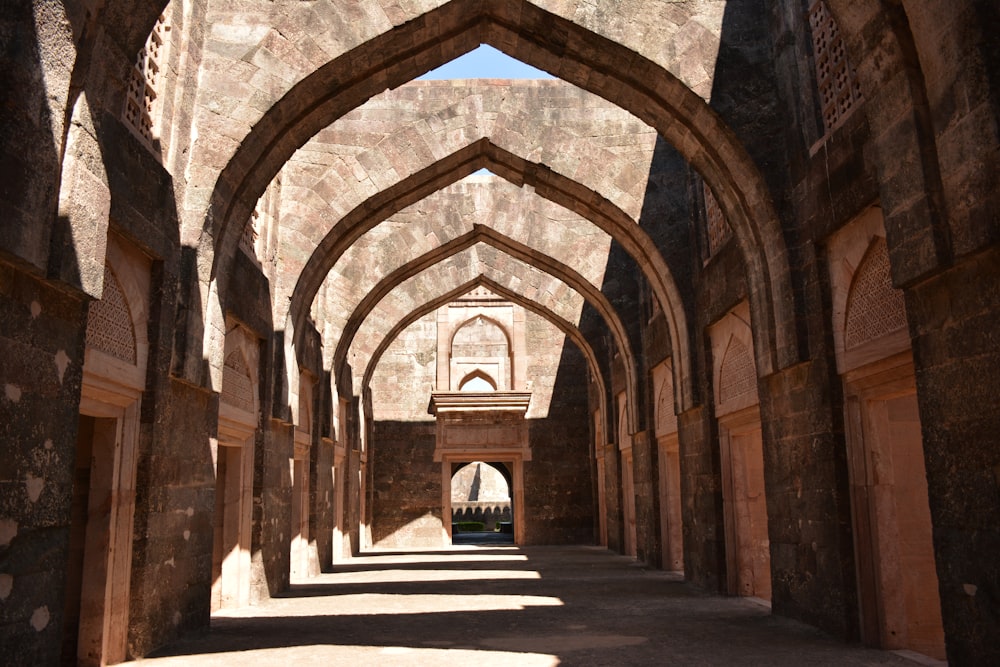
<point x="486" y="63"/>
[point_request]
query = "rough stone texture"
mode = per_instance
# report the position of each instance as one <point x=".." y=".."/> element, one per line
<point x="406" y="494"/>
<point x="701" y="490"/>
<point x="811" y="556"/>
<point x="175" y="505"/>
<point x="729" y="85"/>
<point x="407" y="488"/>
<point x="557" y="490"/>
<point x="956" y="340"/>
<point x="39" y="410"/>
<point x="647" y="516"/>
<point x="32" y="58"/>
<point x="272" y="511"/>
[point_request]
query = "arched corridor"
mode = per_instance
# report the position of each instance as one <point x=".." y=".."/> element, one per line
<point x="718" y="301"/>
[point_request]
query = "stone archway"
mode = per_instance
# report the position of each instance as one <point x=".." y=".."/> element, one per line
<point x="99" y="586"/>
<point x="481" y="492"/>
<point x="701" y="137"/>
<point x="554" y="268"/>
<point x="482" y="426"/>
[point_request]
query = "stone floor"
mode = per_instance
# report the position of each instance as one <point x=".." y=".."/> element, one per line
<point x="487" y="606"/>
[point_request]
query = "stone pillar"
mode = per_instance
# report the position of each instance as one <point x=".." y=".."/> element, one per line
<point x="701" y="491"/>
<point x="612" y="496"/>
<point x="647" y="497"/>
<point x="808" y="500"/>
<point x="41" y="362"/>
<point x="272" y="511"/>
<point x="955" y="320"/>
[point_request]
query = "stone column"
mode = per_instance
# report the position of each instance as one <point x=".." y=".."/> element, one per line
<point x="955" y="320"/>
<point x="701" y="491"/>
<point x="808" y="500"/>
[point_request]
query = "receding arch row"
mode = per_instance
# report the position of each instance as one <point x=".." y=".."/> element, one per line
<point x="521" y="172"/>
<point x="574" y="54"/>
<point x="486" y="235"/>
<point x="464" y="266"/>
<point x="574" y="334"/>
<point x="515" y="212"/>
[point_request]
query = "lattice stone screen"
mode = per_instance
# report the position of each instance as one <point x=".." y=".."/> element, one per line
<point x="838" y="86"/>
<point x="109" y="322"/>
<point x="145" y="81"/>
<point x="715" y="221"/>
<point x="737" y="376"/>
<point x="666" y="420"/>
<point x="237" y="388"/>
<point x="874" y="307"/>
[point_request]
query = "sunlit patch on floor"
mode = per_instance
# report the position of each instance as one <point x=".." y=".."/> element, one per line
<point x="562" y="643"/>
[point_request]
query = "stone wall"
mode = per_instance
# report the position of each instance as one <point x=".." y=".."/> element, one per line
<point x="559" y="506"/>
<point x="407" y="482"/>
<point x="731" y="87"/>
<point x="41" y="345"/>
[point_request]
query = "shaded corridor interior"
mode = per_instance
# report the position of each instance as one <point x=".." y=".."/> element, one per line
<point x="708" y="295"/>
<point x="508" y="606"/>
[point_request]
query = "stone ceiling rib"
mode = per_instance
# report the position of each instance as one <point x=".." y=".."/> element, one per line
<point x="546" y="183"/>
<point x="485" y="235"/>
<point x="574" y="53"/>
<point x="597" y="373"/>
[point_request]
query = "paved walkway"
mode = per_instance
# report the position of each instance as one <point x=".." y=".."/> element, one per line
<point x="484" y="606"/>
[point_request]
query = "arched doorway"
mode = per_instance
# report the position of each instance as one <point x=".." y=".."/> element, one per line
<point x="481" y="503"/>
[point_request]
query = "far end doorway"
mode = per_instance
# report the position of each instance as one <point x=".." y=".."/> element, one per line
<point x="481" y="503"/>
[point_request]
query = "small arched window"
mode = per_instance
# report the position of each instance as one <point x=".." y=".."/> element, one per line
<point x="477" y="381"/>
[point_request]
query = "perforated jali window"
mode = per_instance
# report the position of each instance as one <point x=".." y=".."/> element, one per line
<point x="838" y="86"/>
<point x="666" y="420"/>
<point x="715" y="221"/>
<point x="237" y="389"/>
<point x="737" y="376"/>
<point x="254" y="240"/>
<point x="109" y="322"/>
<point x="248" y="240"/>
<point x="145" y="81"/>
<point x="874" y="307"/>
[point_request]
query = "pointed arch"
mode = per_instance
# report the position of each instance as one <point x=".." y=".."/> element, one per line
<point x="574" y="334"/>
<point x="480" y="375"/>
<point x="499" y="325"/>
<point x="567" y="50"/>
<point x="552" y="186"/>
<point x="488" y="236"/>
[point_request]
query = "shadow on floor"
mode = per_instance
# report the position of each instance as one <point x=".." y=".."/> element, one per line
<point x="507" y="606"/>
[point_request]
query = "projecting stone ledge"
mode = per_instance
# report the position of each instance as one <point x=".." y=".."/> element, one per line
<point x="466" y="401"/>
<point x="486" y="426"/>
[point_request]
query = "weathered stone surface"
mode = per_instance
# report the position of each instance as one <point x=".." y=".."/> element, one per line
<point x="596" y="219"/>
<point x="39" y="408"/>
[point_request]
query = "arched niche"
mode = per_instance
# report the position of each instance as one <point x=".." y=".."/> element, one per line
<point x="869" y="314"/>
<point x="481" y="348"/>
<point x="103" y="501"/>
<point x="899" y="604"/>
<point x="239" y="412"/>
<point x="741" y="448"/>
